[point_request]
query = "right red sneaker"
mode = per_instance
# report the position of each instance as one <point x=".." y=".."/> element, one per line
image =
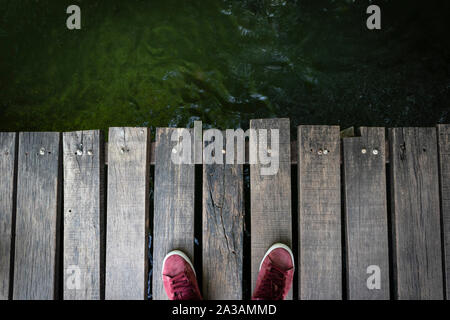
<point x="179" y="277"/>
<point x="276" y="274"/>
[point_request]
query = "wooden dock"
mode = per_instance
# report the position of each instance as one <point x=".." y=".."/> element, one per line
<point x="368" y="217"/>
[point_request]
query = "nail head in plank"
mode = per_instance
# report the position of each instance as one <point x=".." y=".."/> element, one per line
<point x="366" y="216"/>
<point x="415" y="213"/>
<point x="223" y="228"/>
<point x="270" y="195"/>
<point x="174" y="205"/>
<point x="127" y="214"/>
<point x="444" y="172"/>
<point x="7" y="168"/>
<point x="83" y="214"/>
<point x="320" y="270"/>
<point x="37" y="219"/>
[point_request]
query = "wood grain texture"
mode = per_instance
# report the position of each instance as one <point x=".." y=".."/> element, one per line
<point x="127" y="214"/>
<point x="223" y="228"/>
<point x="7" y="167"/>
<point x="173" y="208"/>
<point x="319" y="189"/>
<point x="415" y="213"/>
<point x="366" y="214"/>
<point x="270" y="197"/>
<point x="37" y="220"/>
<point x="83" y="214"/>
<point x="444" y="173"/>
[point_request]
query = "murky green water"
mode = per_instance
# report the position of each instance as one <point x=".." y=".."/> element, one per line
<point x="168" y="63"/>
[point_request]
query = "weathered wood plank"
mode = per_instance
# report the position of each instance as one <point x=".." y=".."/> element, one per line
<point x="198" y="142"/>
<point x="174" y="205"/>
<point x="223" y="228"/>
<point x="366" y="216"/>
<point x="7" y="168"/>
<point x="270" y="195"/>
<point x="415" y="213"/>
<point x="444" y="166"/>
<point x="320" y="271"/>
<point x="83" y="214"/>
<point x="127" y="214"/>
<point x="38" y="216"/>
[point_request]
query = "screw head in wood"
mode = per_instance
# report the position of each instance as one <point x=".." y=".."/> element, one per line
<point x="375" y="151"/>
<point x="90" y="153"/>
<point x="363" y="150"/>
<point x="320" y="152"/>
<point x="325" y="151"/>
<point x="174" y="150"/>
<point x="223" y="151"/>
<point x="79" y="152"/>
<point x="42" y="151"/>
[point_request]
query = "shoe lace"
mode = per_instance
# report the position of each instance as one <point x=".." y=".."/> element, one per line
<point x="182" y="287"/>
<point x="272" y="285"/>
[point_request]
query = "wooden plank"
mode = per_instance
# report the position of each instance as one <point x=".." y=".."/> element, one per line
<point x="444" y="173"/>
<point x="174" y="206"/>
<point x="127" y="214"/>
<point x="223" y="228"/>
<point x="320" y="272"/>
<point x="83" y="214"/>
<point x="415" y="213"/>
<point x="366" y="216"/>
<point x="270" y="196"/>
<point x="198" y="142"/>
<point x="38" y="216"/>
<point x="7" y="168"/>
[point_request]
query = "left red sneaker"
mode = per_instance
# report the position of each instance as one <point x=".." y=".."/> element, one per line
<point x="179" y="277"/>
<point x="276" y="274"/>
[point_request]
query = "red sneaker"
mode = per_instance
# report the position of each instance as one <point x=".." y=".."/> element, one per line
<point x="179" y="277"/>
<point x="276" y="273"/>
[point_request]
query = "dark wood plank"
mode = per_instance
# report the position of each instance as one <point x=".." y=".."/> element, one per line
<point x="444" y="172"/>
<point x="174" y="206"/>
<point x="127" y="214"/>
<point x="366" y="215"/>
<point x="223" y="228"/>
<point x="83" y="214"/>
<point x="270" y="196"/>
<point x="37" y="220"/>
<point x="320" y="271"/>
<point x="7" y="164"/>
<point x="415" y="213"/>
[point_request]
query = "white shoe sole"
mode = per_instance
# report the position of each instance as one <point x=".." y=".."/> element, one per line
<point x="276" y="246"/>
<point x="181" y="254"/>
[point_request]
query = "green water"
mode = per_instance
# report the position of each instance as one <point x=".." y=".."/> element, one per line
<point x="168" y="63"/>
